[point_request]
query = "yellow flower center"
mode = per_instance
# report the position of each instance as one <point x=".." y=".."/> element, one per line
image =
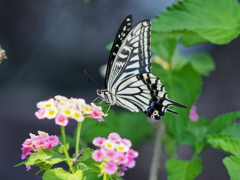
<point x="48" y="105"/>
<point x="51" y="112"/>
<point x="77" y="115"/>
<point x="67" y="112"/>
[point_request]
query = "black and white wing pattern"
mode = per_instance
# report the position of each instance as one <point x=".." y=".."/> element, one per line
<point x="129" y="81"/>
<point x="123" y="31"/>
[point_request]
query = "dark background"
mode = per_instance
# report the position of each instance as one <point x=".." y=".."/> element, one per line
<point x="49" y="44"/>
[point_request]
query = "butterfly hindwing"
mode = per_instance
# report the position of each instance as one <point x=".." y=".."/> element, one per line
<point x="144" y="92"/>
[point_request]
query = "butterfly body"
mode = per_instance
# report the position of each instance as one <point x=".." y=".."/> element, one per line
<point x="129" y="82"/>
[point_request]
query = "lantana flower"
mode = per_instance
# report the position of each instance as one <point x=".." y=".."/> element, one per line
<point x="193" y="116"/>
<point x="38" y="142"/>
<point x="62" y="109"/>
<point x="115" y="154"/>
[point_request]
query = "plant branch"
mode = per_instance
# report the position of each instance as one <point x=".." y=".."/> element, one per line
<point x="155" y="165"/>
<point x="65" y="148"/>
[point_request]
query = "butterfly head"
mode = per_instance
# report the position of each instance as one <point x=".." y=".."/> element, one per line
<point x="105" y="95"/>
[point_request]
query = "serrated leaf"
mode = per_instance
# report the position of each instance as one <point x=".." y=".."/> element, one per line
<point x="233" y="130"/>
<point x="225" y="142"/>
<point x="60" y="174"/>
<point x="183" y="170"/>
<point x="221" y="121"/>
<point x="47" y="156"/>
<point x="233" y="166"/>
<point x="216" y="21"/>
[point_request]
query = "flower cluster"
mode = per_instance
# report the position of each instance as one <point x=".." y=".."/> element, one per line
<point x="115" y="153"/>
<point x="62" y="109"/>
<point x="2" y="54"/>
<point x="193" y="116"/>
<point x="38" y="142"/>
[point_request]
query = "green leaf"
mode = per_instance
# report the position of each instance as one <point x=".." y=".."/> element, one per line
<point x="226" y="143"/>
<point x="87" y="153"/>
<point x="183" y="170"/>
<point x="183" y="86"/>
<point x="216" y="21"/>
<point x="190" y="39"/>
<point x="163" y="46"/>
<point x="201" y="63"/>
<point x="232" y="130"/>
<point x="60" y="174"/>
<point x="47" y="156"/>
<point x="233" y="166"/>
<point x="221" y="121"/>
<point x="195" y="131"/>
<point x="123" y="122"/>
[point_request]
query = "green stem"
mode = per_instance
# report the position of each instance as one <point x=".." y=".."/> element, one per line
<point x="79" y="127"/>
<point x="65" y="149"/>
<point x="155" y="165"/>
<point x="105" y="176"/>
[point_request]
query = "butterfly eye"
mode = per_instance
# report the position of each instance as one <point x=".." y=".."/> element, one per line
<point x="99" y="91"/>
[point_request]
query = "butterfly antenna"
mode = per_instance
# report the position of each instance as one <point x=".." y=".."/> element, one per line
<point x="91" y="79"/>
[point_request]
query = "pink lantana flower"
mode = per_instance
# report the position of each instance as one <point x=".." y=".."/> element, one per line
<point x="25" y="152"/>
<point x="40" y="113"/>
<point x="72" y="108"/>
<point x="98" y="155"/>
<point x="96" y="114"/>
<point x="111" y="167"/>
<point x="193" y="116"/>
<point x="114" y="136"/>
<point x="99" y="141"/>
<point x="115" y="154"/>
<point x="61" y="120"/>
<point x="38" y="142"/>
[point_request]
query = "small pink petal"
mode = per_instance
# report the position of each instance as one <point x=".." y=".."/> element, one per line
<point x="132" y="153"/>
<point x="111" y="167"/>
<point x="40" y="113"/>
<point x="61" y="120"/>
<point x="98" y="155"/>
<point x="28" y="167"/>
<point x="114" y="137"/>
<point x="193" y="116"/>
<point x="111" y="154"/>
<point x="98" y="141"/>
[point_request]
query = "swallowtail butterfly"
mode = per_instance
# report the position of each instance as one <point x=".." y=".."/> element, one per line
<point x="129" y="82"/>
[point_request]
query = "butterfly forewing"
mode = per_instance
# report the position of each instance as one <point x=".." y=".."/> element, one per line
<point x="123" y="31"/>
<point x="133" y="56"/>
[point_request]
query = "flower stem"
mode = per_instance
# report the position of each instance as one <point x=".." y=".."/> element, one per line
<point x="105" y="176"/>
<point x="155" y="165"/>
<point x="65" y="149"/>
<point x="79" y="126"/>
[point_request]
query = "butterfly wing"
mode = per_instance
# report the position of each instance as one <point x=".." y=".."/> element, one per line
<point x="123" y="31"/>
<point x="144" y="92"/>
<point x="133" y="56"/>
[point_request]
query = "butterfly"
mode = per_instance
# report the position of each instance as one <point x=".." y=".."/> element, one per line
<point x="129" y="82"/>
